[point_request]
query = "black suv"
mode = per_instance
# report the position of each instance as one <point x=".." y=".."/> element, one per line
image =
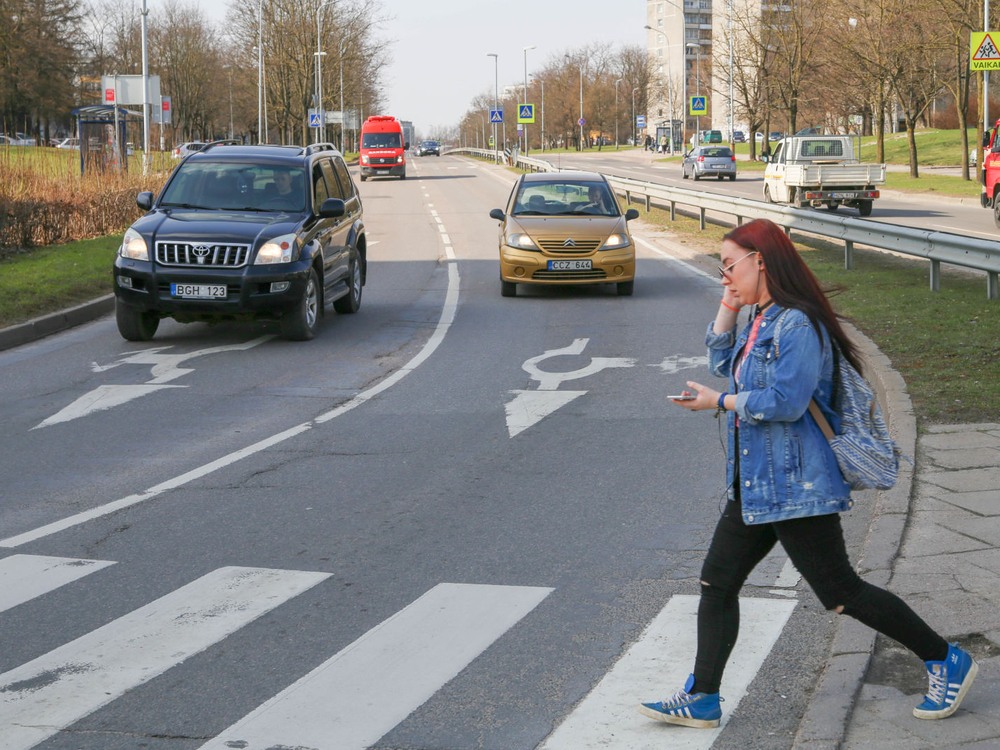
<point x="429" y="147"/>
<point x="245" y="232"/>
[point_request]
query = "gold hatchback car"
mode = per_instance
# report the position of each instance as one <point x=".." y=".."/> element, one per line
<point x="565" y="228"/>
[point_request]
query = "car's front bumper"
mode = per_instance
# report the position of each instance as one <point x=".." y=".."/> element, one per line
<point x="267" y="291"/>
<point x="390" y="170"/>
<point x="531" y="267"/>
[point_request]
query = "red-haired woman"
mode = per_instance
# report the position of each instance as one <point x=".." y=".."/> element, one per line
<point x="783" y="479"/>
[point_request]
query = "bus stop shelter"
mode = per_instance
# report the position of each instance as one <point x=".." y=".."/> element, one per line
<point x="103" y="130"/>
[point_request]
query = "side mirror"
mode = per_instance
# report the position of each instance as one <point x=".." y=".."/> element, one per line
<point x="144" y="200"/>
<point x="765" y="158"/>
<point x="631" y="214"/>
<point x="986" y="139"/>
<point x="407" y="145"/>
<point x="497" y="214"/>
<point x="332" y="208"/>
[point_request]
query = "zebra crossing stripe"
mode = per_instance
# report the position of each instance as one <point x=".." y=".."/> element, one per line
<point x="42" y="697"/>
<point x="656" y="666"/>
<point x="24" y="577"/>
<point x="370" y="686"/>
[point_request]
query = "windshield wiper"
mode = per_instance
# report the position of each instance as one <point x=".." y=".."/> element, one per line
<point x="184" y="205"/>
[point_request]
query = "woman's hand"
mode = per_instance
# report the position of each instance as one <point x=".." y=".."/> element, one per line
<point x="704" y="397"/>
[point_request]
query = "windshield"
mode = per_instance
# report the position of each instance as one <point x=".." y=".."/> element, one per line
<point x="565" y="198"/>
<point x="236" y="187"/>
<point x="381" y="140"/>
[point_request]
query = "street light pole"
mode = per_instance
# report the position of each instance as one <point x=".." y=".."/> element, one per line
<point x="496" y="95"/>
<point x="321" y="130"/>
<point x="617" y="81"/>
<point x="670" y="93"/>
<point x="541" y="83"/>
<point x="261" y="121"/>
<point x="525" y="50"/>
<point x="580" y="121"/>
<point x="634" y="126"/>
<point x="343" y="114"/>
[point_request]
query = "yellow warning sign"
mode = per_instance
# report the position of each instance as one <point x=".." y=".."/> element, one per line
<point x="983" y="51"/>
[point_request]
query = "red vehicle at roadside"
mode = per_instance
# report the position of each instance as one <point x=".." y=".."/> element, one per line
<point x="991" y="172"/>
<point x="383" y="148"/>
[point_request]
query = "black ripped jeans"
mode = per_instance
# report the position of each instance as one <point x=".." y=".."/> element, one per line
<point x="816" y="548"/>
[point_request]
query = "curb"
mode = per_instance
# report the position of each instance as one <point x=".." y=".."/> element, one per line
<point x="827" y="718"/>
<point x="46" y="325"/>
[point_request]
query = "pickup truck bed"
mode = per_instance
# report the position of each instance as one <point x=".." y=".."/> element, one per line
<point x="834" y="175"/>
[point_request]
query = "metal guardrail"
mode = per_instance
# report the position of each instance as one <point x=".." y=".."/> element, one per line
<point x="936" y="247"/>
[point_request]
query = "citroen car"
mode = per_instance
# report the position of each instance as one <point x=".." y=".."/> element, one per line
<point x="244" y="233"/>
<point x="565" y="228"/>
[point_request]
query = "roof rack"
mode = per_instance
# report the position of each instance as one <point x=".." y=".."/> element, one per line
<point x="225" y="142"/>
<point x="313" y="148"/>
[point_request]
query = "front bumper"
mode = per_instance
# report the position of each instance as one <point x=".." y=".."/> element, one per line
<point x="389" y="170"/>
<point x="251" y="291"/>
<point x="531" y="267"/>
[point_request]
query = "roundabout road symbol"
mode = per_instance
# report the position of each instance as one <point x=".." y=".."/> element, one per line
<point x="529" y="407"/>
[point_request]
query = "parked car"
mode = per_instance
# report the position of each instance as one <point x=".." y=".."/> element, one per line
<point x="426" y="148"/>
<point x="775" y="135"/>
<point x="18" y="139"/>
<point x="739" y="136"/>
<point x="709" y="161"/>
<point x="185" y="149"/>
<point x="711" y="136"/>
<point x="809" y="131"/>
<point x="564" y="228"/>
<point x="73" y="143"/>
<point x="245" y="232"/>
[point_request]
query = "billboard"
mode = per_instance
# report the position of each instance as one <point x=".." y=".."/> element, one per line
<point x="127" y="90"/>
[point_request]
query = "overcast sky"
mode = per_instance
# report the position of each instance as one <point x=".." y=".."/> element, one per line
<point x="439" y="63"/>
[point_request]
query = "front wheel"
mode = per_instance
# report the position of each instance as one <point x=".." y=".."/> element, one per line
<point x="767" y="195"/>
<point x="301" y="323"/>
<point x="350" y="303"/>
<point x="625" y="288"/>
<point x="996" y="211"/>
<point x="508" y="288"/>
<point x="135" y="325"/>
<point x="865" y="208"/>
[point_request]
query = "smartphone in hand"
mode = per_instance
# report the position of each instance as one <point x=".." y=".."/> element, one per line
<point x="683" y="397"/>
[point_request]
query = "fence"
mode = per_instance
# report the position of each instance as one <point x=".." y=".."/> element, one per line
<point x="936" y="247"/>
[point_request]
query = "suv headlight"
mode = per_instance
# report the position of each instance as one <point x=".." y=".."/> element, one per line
<point x="615" y="241"/>
<point x="521" y="241"/>
<point x="283" y="249"/>
<point x="133" y="246"/>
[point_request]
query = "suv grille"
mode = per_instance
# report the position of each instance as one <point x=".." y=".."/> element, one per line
<point x="201" y="254"/>
<point x="568" y="244"/>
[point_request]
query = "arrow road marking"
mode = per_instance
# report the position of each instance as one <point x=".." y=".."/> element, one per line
<point x="549" y="381"/>
<point x="165" y="367"/>
<point x="675" y="363"/>
<point x="529" y="407"/>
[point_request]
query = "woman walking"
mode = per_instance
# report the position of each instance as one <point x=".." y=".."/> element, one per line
<point x="783" y="479"/>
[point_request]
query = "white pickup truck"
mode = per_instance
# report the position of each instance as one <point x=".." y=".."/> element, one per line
<point x="821" y="170"/>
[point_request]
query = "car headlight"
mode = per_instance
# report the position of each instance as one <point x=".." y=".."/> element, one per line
<point x="615" y="241"/>
<point x="522" y="241"/>
<point x="364" y="158"/>
<point x="283" y="249"/>
<point x="133" y="246"/>
<point x="399" y="159"/>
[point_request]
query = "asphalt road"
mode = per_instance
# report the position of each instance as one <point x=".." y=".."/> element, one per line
<point x="453" y="520"/>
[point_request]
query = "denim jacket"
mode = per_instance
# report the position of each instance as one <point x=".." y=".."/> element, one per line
<point x="786" y="467"/>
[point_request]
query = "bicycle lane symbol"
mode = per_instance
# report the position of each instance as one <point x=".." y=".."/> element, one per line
<point x="530" y="407"/>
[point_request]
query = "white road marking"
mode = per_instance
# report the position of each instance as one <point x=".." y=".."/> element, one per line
<point x="549" y="381"/>
<point x="24" y="577"/>
<point x="677" y="362"/>
<point x="530" y="407"/>
<point x="667" y="256"/>
<point x="362" y="692"/>
<point x="165" y="368"/>
<point x="657" y="665"/>
<point x="42" y="697"/>
<point x="448" y="311"/>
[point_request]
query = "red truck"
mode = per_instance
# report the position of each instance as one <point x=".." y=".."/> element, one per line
<point x="991" y="172"/>
<point x="383" y="148"/>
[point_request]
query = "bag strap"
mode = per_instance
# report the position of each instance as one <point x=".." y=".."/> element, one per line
<point x="817" y="415"/>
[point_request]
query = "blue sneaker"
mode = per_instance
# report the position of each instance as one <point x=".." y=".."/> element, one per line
<point x="699" y="710"/>
<point x="950" y="680"/>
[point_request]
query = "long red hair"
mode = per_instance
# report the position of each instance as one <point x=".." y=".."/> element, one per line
<point x="790" y="281"/>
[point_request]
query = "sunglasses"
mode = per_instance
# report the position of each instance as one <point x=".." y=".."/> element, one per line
<point x="724" y="270"/>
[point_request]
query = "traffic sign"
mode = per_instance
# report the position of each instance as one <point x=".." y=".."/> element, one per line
<point x="984" y="53"/>
<point x="640" y="121"/>
<point x="581" y="122"/>
<point x="315" y="120"/>
<point x="496" y="115"/>
<point x="525" y="114"/>
<point x="699" y="105"/>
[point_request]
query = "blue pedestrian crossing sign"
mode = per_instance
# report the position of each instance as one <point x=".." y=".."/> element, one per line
<point x="496" y="115"/>
<point x="525" y="114"/>
<point x="640" y="121"/>
<point x="314" y="120"/>
<point x="699" y="105"/>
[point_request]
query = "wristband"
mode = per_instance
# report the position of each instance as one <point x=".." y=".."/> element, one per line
<point x="729" y="307"/>
<point x="721" y="402"/>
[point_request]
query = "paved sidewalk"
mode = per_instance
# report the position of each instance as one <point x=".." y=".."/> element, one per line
<point x="948" y="570"/>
